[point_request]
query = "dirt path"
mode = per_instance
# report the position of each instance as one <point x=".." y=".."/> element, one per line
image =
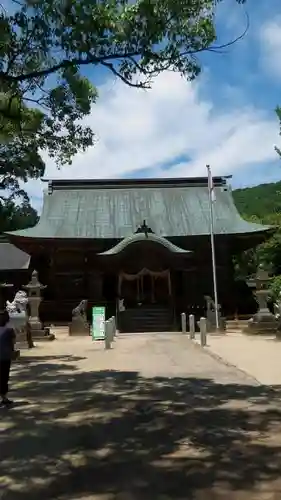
<point x="154" y="418"/>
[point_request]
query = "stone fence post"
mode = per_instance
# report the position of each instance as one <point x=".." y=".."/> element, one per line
<point x="107" y="336"/>
<point x="191" y="326"/>
<point x="183" y="322"/>
<point x="113" y="326"/>
<point x="111" y="329"/>
<point x="203" y="331"/>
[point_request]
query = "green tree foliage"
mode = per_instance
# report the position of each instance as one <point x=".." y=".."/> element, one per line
<point x="14" y="217"/>
<point x="261" y="204"/>
<point x="275" y="287"/>
<point x="45" y="44"/>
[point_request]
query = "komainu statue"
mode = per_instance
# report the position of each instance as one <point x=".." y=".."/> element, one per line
<point x="17" y="310"/>
<point x="79" y="324"/>
<point x="19" y="304"/>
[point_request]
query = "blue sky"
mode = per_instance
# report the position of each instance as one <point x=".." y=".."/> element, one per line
<point x="226" y="118"/>
<point x="251" y="69"/>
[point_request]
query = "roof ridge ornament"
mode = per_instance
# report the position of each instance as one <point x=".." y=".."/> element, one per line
<point x="144" y="229"/>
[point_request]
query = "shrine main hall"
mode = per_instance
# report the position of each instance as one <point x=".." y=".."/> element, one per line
<point x="145" y="242"/>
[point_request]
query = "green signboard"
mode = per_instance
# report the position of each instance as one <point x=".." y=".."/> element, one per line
<point x="98" y="323"/>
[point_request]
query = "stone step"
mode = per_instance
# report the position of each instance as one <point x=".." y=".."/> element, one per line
<point x="146" y="319"/>
<point x="46" y="338"/>
<point x="236" y="324"/>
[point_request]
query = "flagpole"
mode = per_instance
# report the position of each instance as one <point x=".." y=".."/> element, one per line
<point x="210" y="187"/>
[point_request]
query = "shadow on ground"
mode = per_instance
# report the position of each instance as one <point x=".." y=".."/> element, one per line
<point x="117" y="433"/>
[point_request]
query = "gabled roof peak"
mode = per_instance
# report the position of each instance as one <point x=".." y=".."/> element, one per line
<point x="145" y="237"/>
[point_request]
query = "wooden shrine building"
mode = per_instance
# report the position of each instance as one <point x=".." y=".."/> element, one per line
<point x="146" y="241"/>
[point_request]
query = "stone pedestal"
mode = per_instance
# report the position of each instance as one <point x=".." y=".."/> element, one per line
<point x="21" y="340"/>
<point x="79" y="324"/>
<point x="211" y="323"/>
<point x="17" y="310"/>
<point x="79" y="327"/>
<point x="262" y="323"/>
<point x="18" y="321"/>
<point x="42" y="334"/>
<point x="16" y="355"/>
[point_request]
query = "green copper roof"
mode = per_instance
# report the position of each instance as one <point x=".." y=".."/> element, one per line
<point x="11" y="257"/>
<point x="144" y="237"/>
<point x="114" y="209"/>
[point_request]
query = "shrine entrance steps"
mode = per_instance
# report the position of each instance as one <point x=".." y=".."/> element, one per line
<point x="146" y="319"/>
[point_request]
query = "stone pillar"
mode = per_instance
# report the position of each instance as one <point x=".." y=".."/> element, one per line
<point x="114" y="326"/>
<point x="183" y="322"/>
<point x="107" y="337"/>
<point x="34" y="289"/>
<point x="203" y="332"/>
<point x="191" y="326"/>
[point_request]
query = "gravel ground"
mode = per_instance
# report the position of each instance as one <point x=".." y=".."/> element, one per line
<point x="154" y="418"/>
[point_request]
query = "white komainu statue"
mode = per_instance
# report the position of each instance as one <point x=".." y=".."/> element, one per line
<point x="277" y="308"/>
<point x="17" y="311"/>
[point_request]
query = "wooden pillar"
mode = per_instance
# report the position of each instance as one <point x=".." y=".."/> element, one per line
<point x="98" y="285"/>
<point x="86" y="278"/>
<point x="52" y="279"/>
<point x="152" y="288"/>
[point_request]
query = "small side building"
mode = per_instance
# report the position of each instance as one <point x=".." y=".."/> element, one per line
<point x="146" y="241"/>
<point x="14" y="266"/>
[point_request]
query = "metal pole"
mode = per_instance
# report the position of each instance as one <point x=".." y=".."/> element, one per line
<point x="213" y="248"/>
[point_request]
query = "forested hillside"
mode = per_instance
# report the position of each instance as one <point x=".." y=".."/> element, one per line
<point x="261" y="204"/>
<point x="263" y="201"/>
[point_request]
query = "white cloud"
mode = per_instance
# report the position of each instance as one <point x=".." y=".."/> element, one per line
<point x="270" y="40"/>
<point x="144" y="130"/>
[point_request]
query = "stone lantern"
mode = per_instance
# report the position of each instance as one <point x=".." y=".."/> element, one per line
<point x="34" y="289"/>
<point x="263" y="321"/>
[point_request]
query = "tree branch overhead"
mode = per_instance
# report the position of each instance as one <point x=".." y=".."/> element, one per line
<point x="43" y="45"/>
